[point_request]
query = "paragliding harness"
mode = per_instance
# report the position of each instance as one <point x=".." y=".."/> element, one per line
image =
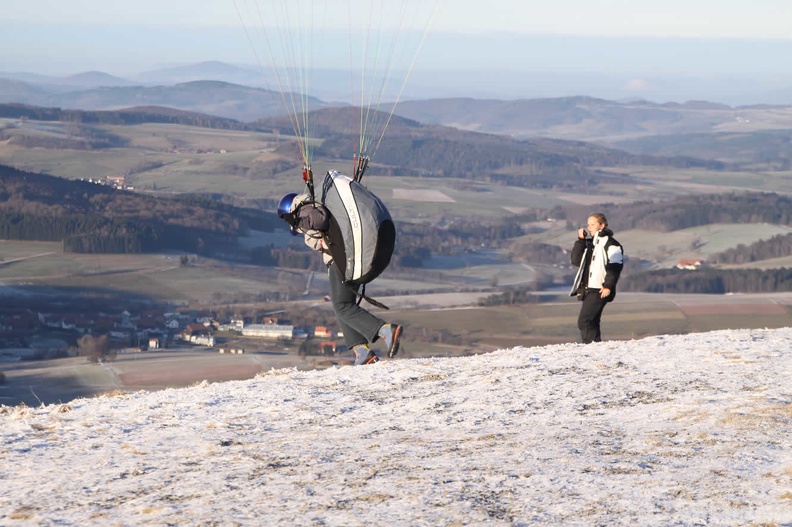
<point x="356" y="227"/>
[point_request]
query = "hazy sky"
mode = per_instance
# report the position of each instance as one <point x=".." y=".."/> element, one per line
<point x="98" y="33"/>
<point x="690" y="18"/>
<point x="631" y="38"/>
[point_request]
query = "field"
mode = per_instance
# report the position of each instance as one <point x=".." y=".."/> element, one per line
<point x="159" y="277"/>
<point x="58" y="380"/>
<point x="437" y="326"/>
<point x="178" y="158"/>
<point x="665" y="249"/>
<point x="631" y="316"/>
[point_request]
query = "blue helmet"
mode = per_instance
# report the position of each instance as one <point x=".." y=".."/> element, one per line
<point x="284" y="207"/>
<point x="285" y="212"/>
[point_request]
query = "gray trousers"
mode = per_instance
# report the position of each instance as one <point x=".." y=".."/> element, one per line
<point x="359" y="326"/>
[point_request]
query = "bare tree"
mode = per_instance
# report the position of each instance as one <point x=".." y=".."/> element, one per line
<point x="95" y="349"/>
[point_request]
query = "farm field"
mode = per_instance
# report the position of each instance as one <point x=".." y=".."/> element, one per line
<point x="630" y="316"/>
<point x="665" y="249"/>
<point x="171" y="158"/>
<point x="159" y="278"/>
<point x="437" y="326"/>
<point x="666" y="183"/>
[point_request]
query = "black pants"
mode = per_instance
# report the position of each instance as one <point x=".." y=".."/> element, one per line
<point x="590" y="316"/>
<point x="358" y="325"/>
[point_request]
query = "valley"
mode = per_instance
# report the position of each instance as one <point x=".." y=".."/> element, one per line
<point x="441" y="302"/>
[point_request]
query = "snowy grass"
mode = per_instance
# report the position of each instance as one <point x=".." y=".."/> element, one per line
<point x="668" y="430"/>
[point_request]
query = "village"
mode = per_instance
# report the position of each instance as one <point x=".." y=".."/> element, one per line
<point x="118" y="182"/>
<point x="29" y="335"/>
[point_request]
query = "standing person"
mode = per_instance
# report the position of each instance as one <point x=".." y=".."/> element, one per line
<point x="360" y="327"/>
<point x="600" y="259"/>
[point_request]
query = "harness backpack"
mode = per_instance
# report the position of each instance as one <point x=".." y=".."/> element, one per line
<point x="362" y="234"/>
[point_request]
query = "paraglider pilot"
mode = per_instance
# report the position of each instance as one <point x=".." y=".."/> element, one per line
<point x="360" y="327"/>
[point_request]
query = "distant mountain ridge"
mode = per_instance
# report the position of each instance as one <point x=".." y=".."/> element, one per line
<point x="240" y="93"/>
<point x="90" y="79"/>
<point x="209" y="70"/>
<point x="591" y="119"/>
<point x="417" y="148"/>
<point x="216" y="98"/>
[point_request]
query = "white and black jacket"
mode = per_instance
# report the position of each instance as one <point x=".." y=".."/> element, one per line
<point x="600" y="260"/>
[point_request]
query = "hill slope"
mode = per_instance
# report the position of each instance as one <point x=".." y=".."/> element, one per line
<point x="445" y="151"/>
<point x="97" y="218"/>
<point x="412" y="148"/>
<point x="217" y="98"/>
<point x="591" y="119"/>
<point x="668" y="430"/>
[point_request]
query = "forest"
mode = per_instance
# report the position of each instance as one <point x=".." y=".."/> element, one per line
<point x="684" y="212"/>
<point x="711" y="281"/>
<point x="691" y="211"/>
<point x="91" y="218"/>
<point x="127" y="116"/>
<point x="776" y="247"/>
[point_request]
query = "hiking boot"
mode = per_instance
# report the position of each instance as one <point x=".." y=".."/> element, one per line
<point x="364" y="355"/>
<point x="391" y="333"/>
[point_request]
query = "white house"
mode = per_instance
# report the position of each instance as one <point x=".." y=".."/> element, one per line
<point x="272" y="331"/>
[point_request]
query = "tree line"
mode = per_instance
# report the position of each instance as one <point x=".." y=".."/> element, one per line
<point x="708" y="280"/>
<point x="452" y="237"/>
<point x="466" y="155"/>
<point x="684" y="212"/>
<point x="120" y="117"/>
<point x="93" y="218"/>
<point x="778" y="246"/>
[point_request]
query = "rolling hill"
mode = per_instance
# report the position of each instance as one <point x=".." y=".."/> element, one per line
<point x="576" y="118"/>
<point x="413" y="148"/>
<point x="417" y="148"/>
<point x="598" y="120"/>
<point x="92" y="218"/>
<point x="216" y="98"/>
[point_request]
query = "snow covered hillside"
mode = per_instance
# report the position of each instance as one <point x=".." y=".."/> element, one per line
<point x="668" y="430"/>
